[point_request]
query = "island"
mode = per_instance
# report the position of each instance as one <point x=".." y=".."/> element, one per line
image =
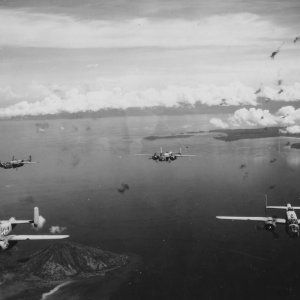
<point x="229" y="135"/>
<point x="295" y="146"/>
<point x="160" y="137"/>
<point x="65" y="268"/>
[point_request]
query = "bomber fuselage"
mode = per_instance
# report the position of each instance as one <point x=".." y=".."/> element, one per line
<point x="12" y="164"/>
<point x="292" y="225"/>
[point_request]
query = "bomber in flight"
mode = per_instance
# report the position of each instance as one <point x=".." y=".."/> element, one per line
<point x="274" y="53"/>
<point x="16" y="163"/>
<point x="168" y="156"/>
<point x="7" y="240"/>
<point x="290" y="221"/>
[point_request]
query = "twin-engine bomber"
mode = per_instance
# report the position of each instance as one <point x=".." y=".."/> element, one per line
<point x="291" y="220"/>
<point x="7" y="240"/>
<point x="168" y="156"/>
<point x="16" y="163"/>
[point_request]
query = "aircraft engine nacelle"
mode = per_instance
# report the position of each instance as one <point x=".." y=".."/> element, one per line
<point x="155" y="157"/>
<point x="270" y="224"/>
<point x="5" y="228"/>
<point x="173" y="157"/>
<point x="4" y="244"/>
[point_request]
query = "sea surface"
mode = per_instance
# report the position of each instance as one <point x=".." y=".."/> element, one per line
<point x="167" y="216"/>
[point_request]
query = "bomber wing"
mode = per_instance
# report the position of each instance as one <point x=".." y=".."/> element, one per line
<point x="14" y="221"/>
<point x="276" y="207"/>
<point x="36" y="237"/>
<point x="260" y="219"/>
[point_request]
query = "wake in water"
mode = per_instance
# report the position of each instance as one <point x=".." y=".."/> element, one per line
<point x="46" y="295"/>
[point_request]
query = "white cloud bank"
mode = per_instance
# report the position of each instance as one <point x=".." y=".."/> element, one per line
<point x="286" y="116"/>
<point x="293" y="129"/>
<point x="57" y="99"/>
<point x="28" y="29"/>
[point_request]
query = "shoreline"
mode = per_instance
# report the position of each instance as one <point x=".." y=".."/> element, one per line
<point x="230" y="135"/>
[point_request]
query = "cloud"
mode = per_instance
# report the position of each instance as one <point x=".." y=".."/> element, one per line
<point x="290" y="93"/>
<point x="29" y="29"/>
<point x="286" y="116"/>
<point x="252" y="117"/>
<point x="293" y="129"/>
<point x="218" y="123"/>
<point x="56" y="99"/>
<point x="6" y="93"/>
<point x="72" y="100"/>
<point x="57" y="229"/>
<point x="92" y="66"/>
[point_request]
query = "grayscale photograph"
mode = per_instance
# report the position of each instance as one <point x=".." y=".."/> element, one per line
<point x="149" y="149"/>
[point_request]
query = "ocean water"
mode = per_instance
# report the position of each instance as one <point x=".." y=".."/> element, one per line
<point x="167" y="216"/>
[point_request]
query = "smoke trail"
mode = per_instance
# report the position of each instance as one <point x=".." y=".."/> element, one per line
<point x="57" y="229"/>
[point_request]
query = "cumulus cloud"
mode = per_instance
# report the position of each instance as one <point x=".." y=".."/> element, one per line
<point x="290" y="93"/>
<point x="29" y="29"/>
<point x="293" y="129"/>
<point x="286" y="116"/>
<point x="289" y="115"/>
<point x="60" y="99"/>
<point x="218" y="123"/>
<point x="57" y="229"/>
<point x="56" y="99"/>
<point x="252" y="117"/>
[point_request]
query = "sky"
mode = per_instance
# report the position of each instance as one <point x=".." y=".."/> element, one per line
<point x="76" y="55"/>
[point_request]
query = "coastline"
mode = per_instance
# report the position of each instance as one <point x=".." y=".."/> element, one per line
<point x="229" y="135"/>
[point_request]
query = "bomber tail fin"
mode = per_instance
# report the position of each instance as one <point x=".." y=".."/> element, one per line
<point x="36" y="217"/>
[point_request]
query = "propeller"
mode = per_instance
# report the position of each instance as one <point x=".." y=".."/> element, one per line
<point x="262" y="228"/>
